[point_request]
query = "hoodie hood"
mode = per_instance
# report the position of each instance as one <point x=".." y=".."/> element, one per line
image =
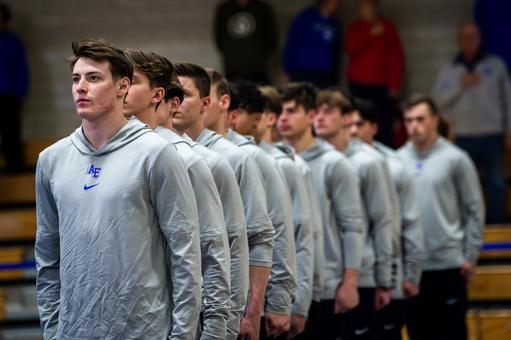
<point x="287" y="149"/>
<point x="208" y="138"/>
<point x="439" y="144"/>
<point x="238" y="139"/>
<point x="316" y="150"/>
<point x="354" y="145"/>
<point x="273" y="150"/>
<point x="128" y="133"/>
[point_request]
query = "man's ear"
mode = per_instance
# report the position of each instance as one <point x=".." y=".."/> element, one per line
<point x="175" y="103"/>
<point x="272" y="119"/>
<point x="205" y="104"/>
<point x="233" y="117"/>
<point x="310" y="114"/>
<point x="124" y="85"/>
<point x="158" y="94"/>
<point x="225" y="101"/>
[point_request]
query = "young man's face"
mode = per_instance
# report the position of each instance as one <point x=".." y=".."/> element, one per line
<point x="362" y="129"/>
<point x="94" y="90"/>
<point x="192" y="106"/>
<point x="294" y="121"/>
<point x="328" y="121"/>
<point x="420" y="124"/>
<point x="139" y="96"/>
<point x="243" y="122"/>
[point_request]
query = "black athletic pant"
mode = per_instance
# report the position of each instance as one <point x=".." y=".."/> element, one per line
<point x="360" y="323"/>
<point x="391" y="320"/>
<point x="313" y="324"/>
<point x="439" y="310"/>
<point x="10" y="130"/>
<point x="385" y="108"/>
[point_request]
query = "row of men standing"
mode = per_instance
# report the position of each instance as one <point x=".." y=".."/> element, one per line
<point x="187" y="189"/>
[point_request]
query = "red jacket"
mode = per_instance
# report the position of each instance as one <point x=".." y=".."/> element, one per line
<point x="374" y="59"/>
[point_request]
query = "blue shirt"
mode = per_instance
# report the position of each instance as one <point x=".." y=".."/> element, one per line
<point x="312" y="43"/>
<point x="493" y="17"/>
<point x="13" y="66"/>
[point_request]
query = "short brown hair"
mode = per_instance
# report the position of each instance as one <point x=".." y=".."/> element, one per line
<point x="336" y="99"/>
<point x="198" y="74"/>
<point x="421" y="98"/>
<point x="218" y="80"/>
<point x="272" y="102"/>
<point x="155" y="67"/>
<point x="100" y="50"/>
<point x="304" y="94"/>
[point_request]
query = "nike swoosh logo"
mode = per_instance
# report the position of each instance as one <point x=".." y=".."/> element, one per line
<point x="362" y="331"/>
<point x="87" y="187"/>
<point x="451" y="301"/>
<point x="389" y="327"/>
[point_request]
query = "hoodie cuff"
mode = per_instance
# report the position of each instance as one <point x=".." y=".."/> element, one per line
<point x="278" y="301"/>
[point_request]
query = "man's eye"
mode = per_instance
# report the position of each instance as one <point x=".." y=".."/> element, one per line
<point x="94" y="78"/>
<point x="75" y="79"/>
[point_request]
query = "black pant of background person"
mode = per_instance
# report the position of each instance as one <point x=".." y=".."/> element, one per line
<point x="10" y="131"/>
<point x="385" y="107"/>
<point x="360" y="323"/>
<point x="313" y="324"/>
<point x="391" y="320"/>
<point x="439" y="310"/>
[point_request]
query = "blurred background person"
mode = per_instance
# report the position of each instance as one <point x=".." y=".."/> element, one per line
<point x="312" y="51"/>
<point x="474" y="93"/>
<point x="375" y="64"/>
<point x="13" y="88"/>
<point x="246" y="35"/>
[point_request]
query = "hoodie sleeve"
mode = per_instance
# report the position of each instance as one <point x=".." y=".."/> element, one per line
<point x="347" y="205"/>
<point x="282" y="280"/>
<point x="506" y="96"/>
<point x="379" y="211"/>
<point x="238" y="243"/>
<point x="472" y="207"/>
<point x="395" y="58"/>
<point x="47" y="253"/>
<point x="172" y="196"/>
<point x="214" y="251"/>
<point x="412" y="233"/>
<point x="448" y="88"/>
<point x="259" y="228"/>
<point x="304" y="240"/>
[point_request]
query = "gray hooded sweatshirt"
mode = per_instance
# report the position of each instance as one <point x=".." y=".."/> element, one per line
<point x="259" y="228"/>
<point x="232" y="204"/>
<point x="282" y="280"/>
<point x="117" y="246"/>
<point x="407" y="239"/>
<point x="317" y="226"/>
<point x="378" y="217"/>
<point x="213" y="237"/>
<point x="304" y="239"/>
<point x="341" y="212"/>
<point x="450" y="203"/>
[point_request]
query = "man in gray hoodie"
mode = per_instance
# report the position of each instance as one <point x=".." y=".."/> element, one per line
<point x="152" y="76"/>
<point x="341" y="210"/>
<point x="302" y="219"/>
<point x="407" y="239"/>
<point x="332" y="123"/>
<point x="191" y="119"/>
<point x="244" y="110"/>
<point x="120" y="256"/>
<point x="452" y="210"/>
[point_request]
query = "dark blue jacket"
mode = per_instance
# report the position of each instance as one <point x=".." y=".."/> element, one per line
<point x="312" y="43"/>
<point x="13" y="66"/>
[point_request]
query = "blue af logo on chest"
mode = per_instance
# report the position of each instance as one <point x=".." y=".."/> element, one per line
<point x="94" y="172"/>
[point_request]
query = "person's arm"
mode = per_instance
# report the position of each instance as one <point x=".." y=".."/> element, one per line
<point x="347" y="205"/>
<point x="237" y="234"/>
<point x="47" y="253"/>
<point x="337" y="54"/>
<point x="506" y="97"/>
<point x="174" y="202"/>
<point x="282" y="278"/>
<point x="21" y="71"/>
<point x="472" y="207"/>
<point x="357" y="40"/>
<point x="395" y="59"/>
<point x="293" y="39"/>
<point x="260" y="240"/>
<point x="214" y="251"/>
<point x="412" y="233"/>
<point x="448" y="87"/>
